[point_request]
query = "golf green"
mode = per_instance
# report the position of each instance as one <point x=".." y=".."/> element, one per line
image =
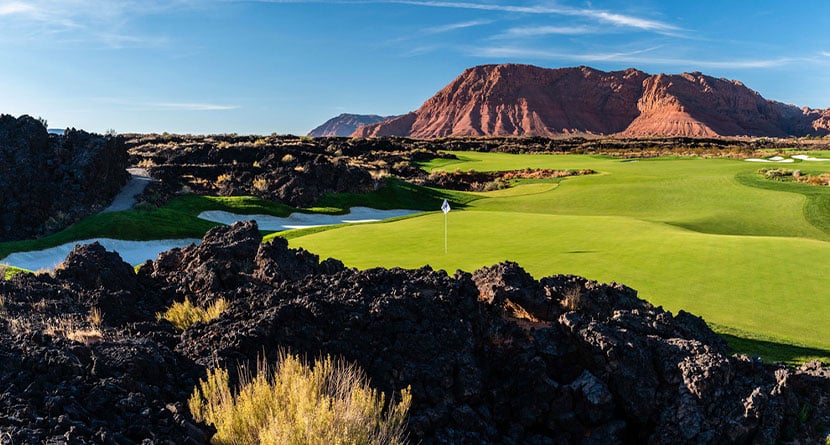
<point x="703" y="235"/>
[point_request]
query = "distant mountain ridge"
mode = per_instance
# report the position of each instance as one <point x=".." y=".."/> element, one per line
<point x="346" y="124"/>
<point x="516" y="100"/>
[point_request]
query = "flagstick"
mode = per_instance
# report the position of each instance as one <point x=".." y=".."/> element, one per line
<point x="445" y="233"/>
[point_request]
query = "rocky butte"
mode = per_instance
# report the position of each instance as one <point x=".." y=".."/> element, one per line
<point x="346" y="124"/>
<point x="519" y="100"/>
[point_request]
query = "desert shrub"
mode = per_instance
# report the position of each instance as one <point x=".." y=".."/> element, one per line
<point x="782" y="174"/>
<point x="222" y="179"/>
<point x="182" y="315"/>
<point x="778" y="174"/>
<point x="823" y="179"/>
<point x="330" y="402"/>
<point x="261" y="184"/>
<point x="95" y="317"/>
<point x="498" y="184"/>
<point x="72" y="329"/>
<point x="573" y="299"/>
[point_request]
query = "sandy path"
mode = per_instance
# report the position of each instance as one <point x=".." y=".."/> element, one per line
<point x="125" y="199"/>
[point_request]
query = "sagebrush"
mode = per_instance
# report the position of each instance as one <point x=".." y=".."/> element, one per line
<point x="184" y="314"/>
<point x="329" y="402"/>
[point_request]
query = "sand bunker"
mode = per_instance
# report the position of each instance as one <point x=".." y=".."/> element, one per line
<point x="136" y="252"/>
<point x="786" y="161"/>
<point x="809" y="158"/>
<point x="305" y="220"/>
<point x="778" y="159"/>
<point x="133" y="252"/>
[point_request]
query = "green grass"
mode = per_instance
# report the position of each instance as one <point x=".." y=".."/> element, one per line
<point x="696" y="234"/>
<point x="244" y="205"/>
<point x="178" y="218"/>
<point x="162" y="223"/>
<point x="9" y="271"/>
<point x="817" y="206"/>
<point x="398" y="194"/>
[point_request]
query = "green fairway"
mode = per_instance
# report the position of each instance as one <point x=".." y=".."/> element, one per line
<point x="696" y="234"/>
<point x="710" y="236"/>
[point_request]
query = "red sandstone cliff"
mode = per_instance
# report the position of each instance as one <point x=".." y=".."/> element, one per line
<point x="504" y="100"/>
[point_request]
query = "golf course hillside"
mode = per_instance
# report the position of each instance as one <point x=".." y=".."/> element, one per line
<point x="709" y="236"/>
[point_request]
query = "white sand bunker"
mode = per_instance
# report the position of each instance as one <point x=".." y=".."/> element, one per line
<point x="778" y="159"/>
<point x="305" y="220"/>
<point x="809" y="158"/>
<point x="787" y="161"/>
<point x="133" y="252"/>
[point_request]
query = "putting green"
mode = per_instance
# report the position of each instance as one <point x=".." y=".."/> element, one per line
<point x="686" y="233"/>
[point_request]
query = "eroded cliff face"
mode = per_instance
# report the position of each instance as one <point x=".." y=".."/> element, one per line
<point x="515" y="100"/>
<point x="511" y="100"/>
<point x="696" y="105"/>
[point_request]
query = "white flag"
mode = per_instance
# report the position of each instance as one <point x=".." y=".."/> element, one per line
<point x="445" y="207"/>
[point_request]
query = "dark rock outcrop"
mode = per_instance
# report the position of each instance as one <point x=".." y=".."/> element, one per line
<point x="346" y="124"/>
<point x="296" y="173"/>
<point x="495" y="356"/>
<point x="511" y="99"/>
<point x="49" y="181"/>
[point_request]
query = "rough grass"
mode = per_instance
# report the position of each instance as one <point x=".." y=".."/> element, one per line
<point x="693" y="234"/>
<point x="6" y="271"/>
<point x="185" y="314"/>
<point x="329" y="402"/>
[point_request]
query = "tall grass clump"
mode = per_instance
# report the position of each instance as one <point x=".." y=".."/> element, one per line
<point x="329" y="402"/>
<point x="182" y="315"/>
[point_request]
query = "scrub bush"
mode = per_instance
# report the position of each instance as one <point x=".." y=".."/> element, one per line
<point x="329" y="402"/>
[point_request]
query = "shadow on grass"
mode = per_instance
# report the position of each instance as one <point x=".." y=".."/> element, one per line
<point x="399" y="194"/>
<point x="772" y="352"/>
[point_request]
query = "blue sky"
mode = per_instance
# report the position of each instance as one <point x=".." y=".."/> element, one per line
<point x="213" y="66"/>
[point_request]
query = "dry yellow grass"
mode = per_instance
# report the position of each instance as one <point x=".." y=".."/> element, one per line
<point x="184" y="314"/>
<point x="330" y="402"/>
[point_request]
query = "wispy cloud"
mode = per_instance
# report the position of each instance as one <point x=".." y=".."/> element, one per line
<point x="825" y="53"/>
<point x="189" y="106"/>
<point x="537" y="31"/>
<point x="454" y="26"/>
<point x="144" y="105"/>
<point x="607" y="17"/>
<point x="598" y="15"/>
<point x="15" y="8"/>
<point x="626" y="20"/>
<point x="71" y="21"/>
<point x="433" y="30"/>
<point x="634" y="57"/>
